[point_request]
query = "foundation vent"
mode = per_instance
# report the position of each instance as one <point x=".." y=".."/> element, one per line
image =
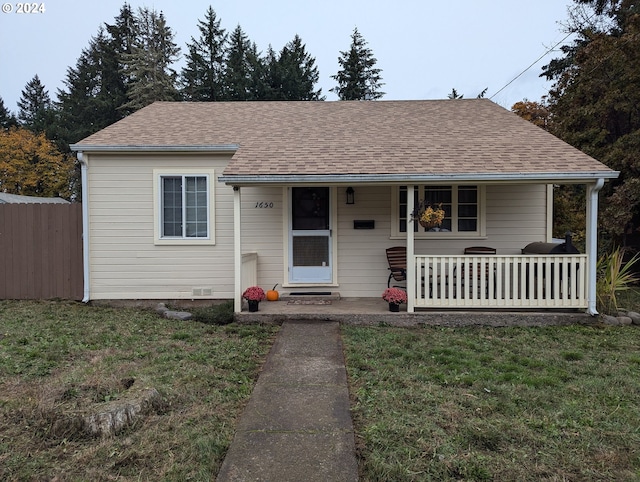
<point x="202" y="291"/>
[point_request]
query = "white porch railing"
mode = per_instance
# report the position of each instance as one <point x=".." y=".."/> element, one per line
<point x="501" y="281"/>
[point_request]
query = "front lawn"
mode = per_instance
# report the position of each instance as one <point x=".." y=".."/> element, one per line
<point x="429" y="403"/>
<point x="60" y="361"/>
<point x="556" y="403"/>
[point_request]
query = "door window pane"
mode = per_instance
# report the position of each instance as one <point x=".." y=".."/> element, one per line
<point x="310" y="208"/>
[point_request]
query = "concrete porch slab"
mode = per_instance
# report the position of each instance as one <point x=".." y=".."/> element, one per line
<point x="374" y="311"/>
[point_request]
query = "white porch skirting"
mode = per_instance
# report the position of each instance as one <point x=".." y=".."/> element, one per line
<point x="501" y="281"/>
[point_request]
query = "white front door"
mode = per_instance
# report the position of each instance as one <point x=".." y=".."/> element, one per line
<point x="310" y="256"/>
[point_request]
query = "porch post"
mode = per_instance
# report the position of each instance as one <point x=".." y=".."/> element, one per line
<point x="592" y="242"/>
<point x="237" y="251"/>
<point x="411" y="261"/>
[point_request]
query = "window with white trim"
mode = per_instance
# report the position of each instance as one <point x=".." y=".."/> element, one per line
<point x="462" y="205"/>
<point x="183" y="206"/>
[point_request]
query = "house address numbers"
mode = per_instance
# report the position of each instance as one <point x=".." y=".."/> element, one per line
<point x="264" y="205"/>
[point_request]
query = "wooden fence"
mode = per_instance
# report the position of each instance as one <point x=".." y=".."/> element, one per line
<point x="41" y="251"/>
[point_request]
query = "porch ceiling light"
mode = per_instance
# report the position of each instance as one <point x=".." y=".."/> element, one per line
<point x="351" y="195"/>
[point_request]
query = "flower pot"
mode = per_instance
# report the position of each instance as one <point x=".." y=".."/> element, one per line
<point x="253" y="305"/>
<point x="394" y="307"/>
<point x="427" y="225"/>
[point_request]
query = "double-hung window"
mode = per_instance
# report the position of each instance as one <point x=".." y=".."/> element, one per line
<point x="184" y="203"/>
<point x="462" y="204"/>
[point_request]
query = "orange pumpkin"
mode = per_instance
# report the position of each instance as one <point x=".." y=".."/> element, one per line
<point x="272" y="294"/>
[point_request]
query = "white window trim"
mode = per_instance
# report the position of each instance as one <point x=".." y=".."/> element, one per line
<point x="482" y="216"/>
<point x="157" y="207"/>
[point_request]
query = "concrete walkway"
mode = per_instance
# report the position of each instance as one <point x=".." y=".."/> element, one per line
<point x="297" y="425"/>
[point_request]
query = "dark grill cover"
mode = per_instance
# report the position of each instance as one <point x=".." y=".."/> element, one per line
<point x="549" y="248"/>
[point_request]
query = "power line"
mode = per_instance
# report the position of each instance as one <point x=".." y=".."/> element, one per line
<point x="549" y="50"/>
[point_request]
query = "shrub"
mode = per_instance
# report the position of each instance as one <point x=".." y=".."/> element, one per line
<point x="614" y="275"/>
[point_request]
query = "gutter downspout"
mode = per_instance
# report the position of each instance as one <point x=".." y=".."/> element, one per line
<point x="85" y="225"/>
<point x="592" y="243"/>
<point x="237" y="251"/>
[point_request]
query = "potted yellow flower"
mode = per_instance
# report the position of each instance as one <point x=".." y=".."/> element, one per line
<point x="427" y="215"/>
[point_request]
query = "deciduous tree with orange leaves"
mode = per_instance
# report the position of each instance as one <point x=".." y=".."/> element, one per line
<point x="31" y="165"/>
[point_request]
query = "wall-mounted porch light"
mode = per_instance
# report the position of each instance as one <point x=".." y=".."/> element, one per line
<point x="351" y="195"/>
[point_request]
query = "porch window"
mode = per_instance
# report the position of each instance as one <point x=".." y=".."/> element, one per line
<point x="462" y="205"/>
<point x="184" y="203"/>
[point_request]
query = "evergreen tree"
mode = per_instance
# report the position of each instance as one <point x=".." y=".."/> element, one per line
<point x="96" y="87"/>
<point x="454" y="95"/>
<point x="86" y="107"/>
<point x="7" y="118"/>
<point x="121" y="38"/>
<point x="358" y="78"/>
<point x="296" y="72"/>
<point x="245" y="72"/>
<point x="149" y="63"/>
<point x="35" y="109"/>
<point x="273" y="77"/>
<point x="595" y="102"/>
<point x="202" y="77"/>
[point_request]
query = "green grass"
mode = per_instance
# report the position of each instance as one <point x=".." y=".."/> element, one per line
<point x="61" y="359"/>
<point x="556" y="403"/>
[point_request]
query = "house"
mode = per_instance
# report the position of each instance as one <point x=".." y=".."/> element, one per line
<point x="200" y="200"/>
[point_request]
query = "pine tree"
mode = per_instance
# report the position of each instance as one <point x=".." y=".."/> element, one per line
<point x="273" y="76"/>
<point x="297" y="73"/>
<point x="95" y="88"/>
<point x="358" y="79"/>
<point x="117" y="79"/>
<point x="7" y="118"/>
<point x="149" y="63"/>
<point x="593" y="104"/>
<point x="245" y="72"/>
<point x="35" y="109"/>
<point x="82" y="107"/>
<point x="203" y="74"/>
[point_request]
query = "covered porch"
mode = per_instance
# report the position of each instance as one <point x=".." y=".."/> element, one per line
<point x="506" y="279"/>
<point x="514" y="281"/>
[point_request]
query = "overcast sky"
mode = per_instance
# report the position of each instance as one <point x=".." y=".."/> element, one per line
<point x="424" y="47"/>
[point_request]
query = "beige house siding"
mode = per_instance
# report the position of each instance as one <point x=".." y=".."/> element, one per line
<point x="264" y="231"/>
<point x="124" y="261"/>
<point x="516" y="216"/>
<point x="126" y="264"/>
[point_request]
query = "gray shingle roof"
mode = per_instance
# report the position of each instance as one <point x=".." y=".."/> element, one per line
<point x="430" y="137"/>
